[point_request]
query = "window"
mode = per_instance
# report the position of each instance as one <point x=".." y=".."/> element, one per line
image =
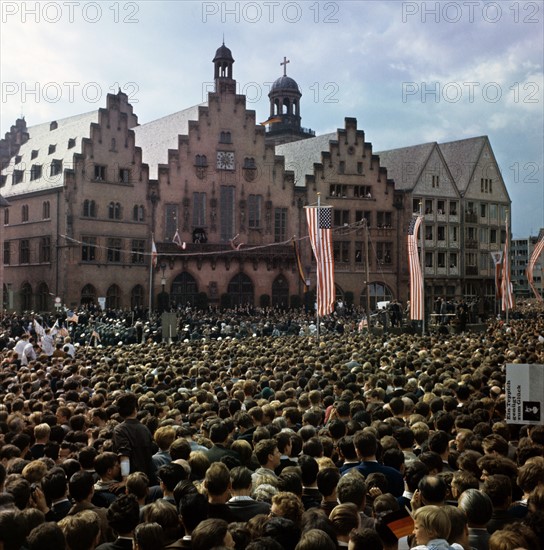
<point x="337" y="190"/>
<point x="99" y="172"/>
<point x="429" y="257"/>
<point x="428" y="206"/>
<point x="280" y="225"/>
<point x="384" y="252"/>
<point x="225" y="137"/>
<point x="486" y="185"/>
<point x="17" y="177"/>
<point x="384" y="219"/>
<point x="428" y="232"/>
<point x="89" y="209"/>
<point x="114" y="250"/>
<point x="471" y="259"/>
<point x="138" y="213"/>
<point x="137" y="251"/>
<point x="341" y="251"/>
<point x="171" y="222"/>
<point x="360" y="168"/>
<point x="6" y="216"/>
<point x="502" y="213"/>
<point x="453" y="234"/>
<point x="249" y="163"/>
<point x="341" y="167"/>
<point x="441" y="233"/>
<point x="24" y="213"/>
<point x="137" y="297"/>
<point x="492" y="236"/>
<point x="18" y="159"/>
<point x="7" y="253"/>
<point x="453" y="260"/>
<point x="53" y="126"/>
<point x="46" y="210"/>
<point x="435" y="181"/>
<point x="254" y="211"/>
<point x="484" y="263"/>
<point x="24" y="251"/>
<point x="124" y="175"/>
<point x="471" y="233"/>
<point x="201" y="161"/>
<point x="33" y="154"/>
<point x="71" y="143"/>
<point x="227" y="213"/>
<point x="416" y="203"/>
<point x="341" y="217"/>
<point x="56" y="167"/>
<point x="441" y="207"/>
<point x="483" y="210"/>
<point x="35" y="172"/>
<point x="453" y="208"/>
<point x="45" y="250"/>
<point x="493" y="211"/>
<point x="52" y="149"/>
<point x="88" y="249"/>
<point x="199" y="209"/>
<point x="359" y="252"/>
<point x="362" y="191"/>
<point x="3" y="180"/>
<point x="114" y="211"/>
<point x="483" y="235"/>
<point x="113" y="297"/>
<point x="363" y="214"/>
<point x="441" y="259"/>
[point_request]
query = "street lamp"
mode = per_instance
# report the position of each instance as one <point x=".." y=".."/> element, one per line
<point x="163" y="277"/>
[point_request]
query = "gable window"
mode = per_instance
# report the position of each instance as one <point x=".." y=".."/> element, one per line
<point x="24" y="213"/>
<point x="46" y="210"/>
<point x="56" y="167"/>
<point x="34" y="154"/>
<point x="52" y="149"/>
<point x="35" y="172"/>
<point x="435" y="181"/>
<point x="71" y="143"/>
<point x="201" y="161"/>
<point x="99" y="172"/>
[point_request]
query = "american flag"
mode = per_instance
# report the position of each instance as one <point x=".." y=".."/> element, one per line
<point x="416" y="276"/>
<point x="506" y="290"/>
<point x="531" y="266"/>
<point x="320" y="231"/>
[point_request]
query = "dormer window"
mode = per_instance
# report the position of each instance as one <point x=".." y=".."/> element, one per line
<point x="53" y="126"/>
<point x="56" y="167"/>
<point x="71" y="143"/>
<point x="35" y="172"/>
<point x="52" y="149"/>
<point x="34" y="154"/>
<point x="18" y="159"/>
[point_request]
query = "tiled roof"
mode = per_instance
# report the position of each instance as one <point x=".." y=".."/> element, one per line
<point x="300" y="156"/>
<point x="42" y="139"/>
<point x="157" y="136"/>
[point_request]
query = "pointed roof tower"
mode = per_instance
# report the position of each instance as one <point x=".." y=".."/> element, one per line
<point x="223" y="61"/>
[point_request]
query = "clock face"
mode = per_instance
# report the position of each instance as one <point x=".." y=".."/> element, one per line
<point x="225" y="160"/>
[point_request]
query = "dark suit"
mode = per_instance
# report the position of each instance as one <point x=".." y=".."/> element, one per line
<point x="131" y="438"/>
<point x="217" y="452"/>
<point x="395" y="481"/>
<point x="61" y="509"/>
<point x="118" y="544"/>
<point x="244" y="510"/>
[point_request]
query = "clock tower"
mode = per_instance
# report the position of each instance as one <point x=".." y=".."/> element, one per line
<point x="223" y="61"/>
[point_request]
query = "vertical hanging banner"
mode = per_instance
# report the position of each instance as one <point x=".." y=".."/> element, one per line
<point x="524" y="394"/>
<point x="417" y="309"/>
<point x="320" y="230"/>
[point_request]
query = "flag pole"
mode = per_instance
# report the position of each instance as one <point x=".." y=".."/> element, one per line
<point x="151" y="277"/>
<point x="422" y="262"/>
<point x="318" y="237"/>
<point x="507" y="259"/>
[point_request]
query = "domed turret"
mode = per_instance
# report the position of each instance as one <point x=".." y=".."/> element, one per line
<point x="223" y="60"/>
<point x="284" y="83"/>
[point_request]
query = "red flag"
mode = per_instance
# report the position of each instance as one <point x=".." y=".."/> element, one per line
<point x="320" y="231"/>
<point x="416" y="275"/>
<point x="154" y="257"/>
<point x="531" y="266"/>
<point x="507" y="294"/>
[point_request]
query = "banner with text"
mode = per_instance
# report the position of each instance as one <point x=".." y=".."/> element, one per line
<point x="524" y="394"/>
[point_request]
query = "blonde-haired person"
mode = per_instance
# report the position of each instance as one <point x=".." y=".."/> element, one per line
<point x="431" y="528"/>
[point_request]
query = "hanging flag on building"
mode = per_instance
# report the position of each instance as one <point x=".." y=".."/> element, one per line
<point x="496" y="256"/>
<point x="417" y="309"/>
<point x="319" y="220"/>
<point x="177" y="240"/>
<point x="506" y="286"/>
<point x="154" y="256"/>
<point x="299" y="263"/>
<point x="531" y="266"/>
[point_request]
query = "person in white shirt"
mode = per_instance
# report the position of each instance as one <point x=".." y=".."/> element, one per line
<point x="47" y="343"/>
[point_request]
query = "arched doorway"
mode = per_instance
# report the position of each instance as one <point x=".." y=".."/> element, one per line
<point x="184" y="290"/>
<point x="137" y="297"/>
<point x="43" y="301"/>
<point x="26" y="297"/>
<point x="241" y="291"/>
<point x="113" y="297"/>
<point x="379" y="292"/>
<point x="280" y="292"/>
<point x="88" y="295"/>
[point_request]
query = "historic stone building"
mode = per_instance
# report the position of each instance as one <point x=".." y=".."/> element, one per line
<point x="223" y="198"/>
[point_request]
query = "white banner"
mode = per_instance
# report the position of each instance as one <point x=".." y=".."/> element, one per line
<point x="524" y="394"/>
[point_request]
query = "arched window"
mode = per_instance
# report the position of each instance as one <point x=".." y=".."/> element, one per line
<point x="184" y="289"/>
<point x="286" y="107"/>
<point x="137" y="296"/>
<point x="280" y="292"/>
<point x="241" y="290"/>
<point x="43" y="301"/>
<point x="113" y="297"/>
<point x="114" y="211"/>
<point x="378" y="293"/>
<point x="46" y="210"/>
<point x="26" y="297"/>
<point x="88" y="295"/>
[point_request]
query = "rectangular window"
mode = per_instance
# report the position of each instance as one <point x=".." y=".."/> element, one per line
<point x="362" y="191"/>
<point x="359" y="252"/>
<point x="280" y="225"/>
<point x="359" y="168"/>
<point x="384" y="219"/>
<point x="88" y="249"/>
<point x="114" y="250"/>
<point x="428" y="232"/>
<point x="35" y="172"/>
<point x="341" y="167"/>
<point x="384" y="252"/>
<point x="441" y="207"/>
<point x="171" y="221"/>
<point x="7" y="253"/>
<point x="453" y="259"/>
<point x="483" y="235"/>
<point x="441" y="259"/>
<point x="363" y="214"/>
<point x="492" y="236"/>
<point x="254" y="204"/>
<point x="416" y="205"/>
<point x="502" y="213"/>
<point x="56" y="168"/>
<point x="337" y="190"/>
<point x="471" y="233"/>
<point x="429" y="257"/>
<point x="99" y="172"/>
<point x="453" y="234"/>
<point x="471" y="259"/>
<point x="137" y="251"/>
<point x="484" y="256"/>
<point x="428" y="206"/>
<point x="453" y="208"/>
<point x="199" y="209"/>
<point x="483" y="210"/>
<point x="227" y="213"/>
<point x="341" y="217"/>
<point x="24" y="251"/>
<point x="493" y="211"/>
<point x="441" y="233"/>
<point x="341" y="251"/>
<point x="124" y="175"/>
<point x="3" y="181"/>
<point x="45" y="250"/>
<point x="435" y="181"/>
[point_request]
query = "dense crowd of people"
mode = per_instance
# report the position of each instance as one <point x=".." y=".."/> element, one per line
<point x="249" y="433"/>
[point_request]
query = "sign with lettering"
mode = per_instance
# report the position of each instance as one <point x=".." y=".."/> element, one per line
<point x="524" y="394"/>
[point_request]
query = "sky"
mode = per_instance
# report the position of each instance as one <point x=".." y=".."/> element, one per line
<point x="410" y="72"/>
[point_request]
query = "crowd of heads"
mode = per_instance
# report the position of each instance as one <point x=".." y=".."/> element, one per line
<point x="272" y="443"/>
